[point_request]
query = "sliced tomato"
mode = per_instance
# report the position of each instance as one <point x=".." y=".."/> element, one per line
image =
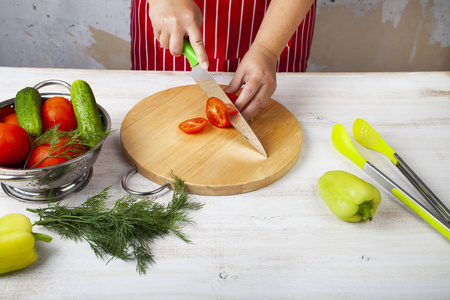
<point x="193" y="125"/>
<point x="231" y="108"/>
<point x="217" y="113"/>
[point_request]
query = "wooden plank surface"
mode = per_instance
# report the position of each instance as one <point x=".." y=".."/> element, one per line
<point x="216" y="161"/>
<point x="280" y="241"/>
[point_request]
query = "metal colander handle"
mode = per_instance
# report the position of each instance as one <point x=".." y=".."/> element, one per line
<point x="52" y="82"/>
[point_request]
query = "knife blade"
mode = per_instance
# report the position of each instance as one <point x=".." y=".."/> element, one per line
<point x="212" y="89"/>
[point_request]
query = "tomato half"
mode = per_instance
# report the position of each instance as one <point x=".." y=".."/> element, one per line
<point x="58" y="110"/>
<point x="193" y="125"/>
<point x="217" y="113"/>
<point x="10" y="119"/>
<point x="14" y="144"/>
<point x="231" y="108"/>
<point x="46" y="155"/>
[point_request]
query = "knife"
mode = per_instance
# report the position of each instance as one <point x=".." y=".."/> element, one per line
<point x="212" y="89"/>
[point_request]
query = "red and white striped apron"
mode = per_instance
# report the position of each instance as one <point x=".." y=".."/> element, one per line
<point x="229" y="27"/>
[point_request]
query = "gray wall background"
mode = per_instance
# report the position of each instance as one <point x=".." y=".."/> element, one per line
<point x="351" y="35"/>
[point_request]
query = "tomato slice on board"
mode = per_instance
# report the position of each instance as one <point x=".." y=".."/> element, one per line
<point x="217" y="113"/>
<point x="193" y="125"/>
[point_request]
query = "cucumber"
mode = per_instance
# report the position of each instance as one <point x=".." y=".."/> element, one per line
<point x="86" y="112"/>
<point x="28" y="111"/>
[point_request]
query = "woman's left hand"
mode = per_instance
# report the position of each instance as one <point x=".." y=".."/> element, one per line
<point x="257" y="74"/>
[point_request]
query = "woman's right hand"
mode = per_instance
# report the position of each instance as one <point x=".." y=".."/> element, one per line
<point x="174" y="19"/>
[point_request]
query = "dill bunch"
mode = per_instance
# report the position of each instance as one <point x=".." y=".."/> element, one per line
<point x="127" y="230"/>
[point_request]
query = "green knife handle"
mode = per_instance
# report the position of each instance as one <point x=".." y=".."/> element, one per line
<point x="422" y="213"/>
<point x="189" y="52"/>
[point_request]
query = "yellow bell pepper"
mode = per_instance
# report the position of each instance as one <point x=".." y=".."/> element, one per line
<point x="17" y="247"/>
<point x="350" y="198"/>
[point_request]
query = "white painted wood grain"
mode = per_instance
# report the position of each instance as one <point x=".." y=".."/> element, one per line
<point x="281" y="241"/>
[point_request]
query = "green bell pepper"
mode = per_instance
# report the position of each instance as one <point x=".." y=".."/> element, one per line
<point x="350" y="198"/>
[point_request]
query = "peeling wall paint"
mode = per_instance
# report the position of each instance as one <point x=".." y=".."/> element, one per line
<point x="109" y="50"/>
<point x="351" y="35"/>
<point x="65" y="33"/>
<point x="376" y="35"/>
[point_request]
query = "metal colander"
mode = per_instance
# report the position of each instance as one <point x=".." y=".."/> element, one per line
<point x="55" y="182"/>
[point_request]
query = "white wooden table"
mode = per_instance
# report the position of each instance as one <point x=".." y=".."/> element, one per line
<point x="281" y="241"/>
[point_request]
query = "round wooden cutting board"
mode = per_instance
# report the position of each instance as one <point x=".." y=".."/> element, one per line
<point x="214" y="161"/>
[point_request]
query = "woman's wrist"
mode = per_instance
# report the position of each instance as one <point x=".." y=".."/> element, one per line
<point x="265" y="51"/>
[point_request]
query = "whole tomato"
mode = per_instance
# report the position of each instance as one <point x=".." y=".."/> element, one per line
<point x="6" y="111"/>
<point x="46" y="155"/>
<point x="71" y="147"/>
<point x="58" y="110"/>
<point x="10" y="119"/>
<point x="14" y="144"/>
<point x="40" y="157"/>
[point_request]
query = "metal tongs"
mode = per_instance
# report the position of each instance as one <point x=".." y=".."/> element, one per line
<point x="369" y="138"/>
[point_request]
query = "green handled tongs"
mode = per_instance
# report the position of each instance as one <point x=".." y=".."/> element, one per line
<point x="368" y="137"/>
<point x="342" y="142"/>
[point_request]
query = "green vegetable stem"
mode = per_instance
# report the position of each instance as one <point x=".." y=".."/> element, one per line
<point x="350" y="198"/>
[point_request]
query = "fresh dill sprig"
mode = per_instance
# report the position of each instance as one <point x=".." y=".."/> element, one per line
<point x="66" y="144"/>
<point x="125" y="231"/>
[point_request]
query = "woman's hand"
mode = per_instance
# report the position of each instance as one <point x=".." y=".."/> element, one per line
<point x="172" y="20"/>
<point x="257" y="70"/>
<point x="257" y="73"/>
